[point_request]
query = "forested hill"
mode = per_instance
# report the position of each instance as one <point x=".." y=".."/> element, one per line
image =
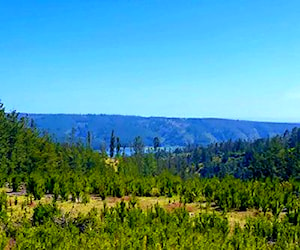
<point x="171" y="131"/>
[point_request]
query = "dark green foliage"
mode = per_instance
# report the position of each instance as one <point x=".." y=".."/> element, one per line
<point x="138" y="145"/>
<point x="260" y="159"/>
<point x="156" y="143"/>
<point x="89" y="139"/>
<point x="112" y="144"/>
<point x="3" y="201"/>
<point x="36" y="186"/>
<point x="43" y="213"/>
<point x="118" y="146"/>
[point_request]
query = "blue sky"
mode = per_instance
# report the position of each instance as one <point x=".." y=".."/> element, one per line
<point x="226" y="59"/>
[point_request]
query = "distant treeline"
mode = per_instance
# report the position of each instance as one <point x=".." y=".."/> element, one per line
<point x="171" y="131"/>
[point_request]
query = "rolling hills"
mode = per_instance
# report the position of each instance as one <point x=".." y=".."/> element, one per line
<point x="171" y="131"/>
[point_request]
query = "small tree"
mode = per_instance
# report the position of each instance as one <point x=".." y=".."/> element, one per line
<point x="156" y="143"/>
<point x="89" y="139"/>
<point x="36" y="186"/>
<point x="3" y="200"/>
<point x="56" y="191"/>
<point x="118" y="146"/>
<point x="43" y="213"/>
<point x="138" y="146"/>
<point x="103" y="148"/>
<point x="112" y="144"/>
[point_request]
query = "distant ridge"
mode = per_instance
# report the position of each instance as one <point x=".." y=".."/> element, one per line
<point x="171" y="131"/>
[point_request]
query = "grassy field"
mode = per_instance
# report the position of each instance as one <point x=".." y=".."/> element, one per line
<point x="20" y="206"/>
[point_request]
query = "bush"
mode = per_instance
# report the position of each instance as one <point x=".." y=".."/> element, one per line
<point x="43" y="213"/>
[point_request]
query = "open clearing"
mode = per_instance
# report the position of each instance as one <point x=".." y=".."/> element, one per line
<point x="20" y="206"/>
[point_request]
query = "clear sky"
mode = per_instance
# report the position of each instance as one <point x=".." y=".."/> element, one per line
<point x="211" y="58"/>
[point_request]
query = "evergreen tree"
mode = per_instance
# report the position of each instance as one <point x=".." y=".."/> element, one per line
<point x="118" y="146"/>
<point x="156" y="143"/>
<point x="89" y="139"/>
<point x="112" y="144"/>
<point x="138" y="146"/>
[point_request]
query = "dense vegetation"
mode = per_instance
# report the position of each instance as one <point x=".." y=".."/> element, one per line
<point x="261" y="175"/>
<point x="171" y="131"/>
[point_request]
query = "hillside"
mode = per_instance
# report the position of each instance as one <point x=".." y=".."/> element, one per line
<point x="68" y="196"/>
<point x="171" y="131"/>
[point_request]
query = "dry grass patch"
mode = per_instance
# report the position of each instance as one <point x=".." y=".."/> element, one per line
<point x="240" y="217"/>
<point x="25" y="208"/>
<point x="148" y="202"/>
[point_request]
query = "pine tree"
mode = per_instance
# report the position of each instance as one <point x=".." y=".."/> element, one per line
<point x="138" y="145"/>
<point x="112" y="144"/>
<point x="89" y="139"/>
<point x="156" y="143"/>
<point x="118" y="146"/>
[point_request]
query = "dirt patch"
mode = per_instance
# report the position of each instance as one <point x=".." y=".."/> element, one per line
<point x="192" y="208"/>
<point x="113" y="199"/>
<point x="126" y="198"/>
<point x="10" y="244"/>
<point x="171" y="206"/>
<point x="32" y="204"/>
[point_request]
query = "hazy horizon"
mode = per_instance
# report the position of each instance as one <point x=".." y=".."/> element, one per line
<point x="168" y="117"/>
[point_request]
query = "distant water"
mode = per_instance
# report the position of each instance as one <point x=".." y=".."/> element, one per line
<point x="129" y="150"/>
